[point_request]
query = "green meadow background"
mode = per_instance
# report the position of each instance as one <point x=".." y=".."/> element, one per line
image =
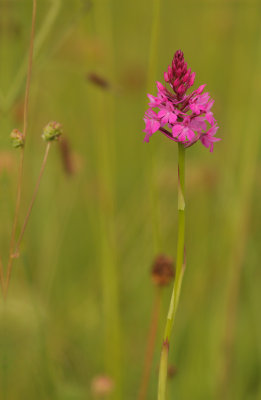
<point x="81" y="296"/>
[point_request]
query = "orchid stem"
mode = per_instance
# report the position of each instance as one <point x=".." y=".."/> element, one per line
<point x="180" y="267"/>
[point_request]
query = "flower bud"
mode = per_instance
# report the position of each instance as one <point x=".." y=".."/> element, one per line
<point x="52" y="131"/>
<point x="181" y="90"/>
<point x="192" y="79"/>
<point x="170" y="73"/>
<point x="166" y="77"/>
<point x="17" y="138"/>
<point x="160" y="87"/>
<point x="176" y="83"/>
<point x="200" y="89"/>
<point x="179" y="72"/>
<point x="184" y="69"/>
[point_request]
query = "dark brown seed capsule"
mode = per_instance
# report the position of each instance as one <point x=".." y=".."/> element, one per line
<point x="162" y="270"/>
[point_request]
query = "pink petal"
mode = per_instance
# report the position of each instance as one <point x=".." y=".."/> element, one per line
<point x="162" y="113"/>
<point x="151" y="126"/>
<point x="210" y="118"/>
<point x="154" y="126"/>
<point x="172" y="118"/>
<point x="164" y="120"/>
<point x="176" y="130"/>
<point x="182" y="136"/>
<point x="189" y="133"/>
<point x="198" y="123"/>
<point x="195" y="108"/>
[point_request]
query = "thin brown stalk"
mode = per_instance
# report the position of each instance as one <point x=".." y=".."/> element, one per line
<point x="33" y="198"/>
<point x="17" y="207"/>
<point x="16" y="252"/>
<point x="150" y="347"/>
<point x="21" y="162"/>
<point x="232" y="304"/>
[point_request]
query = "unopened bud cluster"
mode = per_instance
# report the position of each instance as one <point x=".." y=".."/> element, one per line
<point x="52" y="131"/>
<point x="17" y="138"/>
<point x="179" y="77"/>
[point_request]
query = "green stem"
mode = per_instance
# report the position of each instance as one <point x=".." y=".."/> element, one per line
<point x="38" y="43"/>
<point x="180" y="266"/>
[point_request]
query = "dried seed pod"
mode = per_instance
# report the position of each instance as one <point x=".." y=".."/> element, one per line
<point x="66" y="156"/>
<point x="98" y="80"/>
<point x="162" y="270"/>
<point x="17" y="138"/>
<point x="52" y="131"/>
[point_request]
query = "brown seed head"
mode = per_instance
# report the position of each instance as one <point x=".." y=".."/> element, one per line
<point x="162" y="270"/>
<point x="17" y="138"/>
<point x="52" y="131"/>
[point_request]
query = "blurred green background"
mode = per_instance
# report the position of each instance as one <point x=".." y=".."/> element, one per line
<point x="81" y="295"/>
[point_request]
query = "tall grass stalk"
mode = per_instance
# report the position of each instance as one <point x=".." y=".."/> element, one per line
<point x="104" y="105"/>
<point x="151" y="77"/>
<point x="248" y="163"/>
<point x="154" y="206"/>
<point x="39" y="40"/>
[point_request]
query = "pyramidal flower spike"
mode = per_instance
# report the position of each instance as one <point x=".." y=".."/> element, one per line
<point x="182" y="117"/>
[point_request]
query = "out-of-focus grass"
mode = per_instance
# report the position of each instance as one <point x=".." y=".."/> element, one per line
<point x="56" y="332"/>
